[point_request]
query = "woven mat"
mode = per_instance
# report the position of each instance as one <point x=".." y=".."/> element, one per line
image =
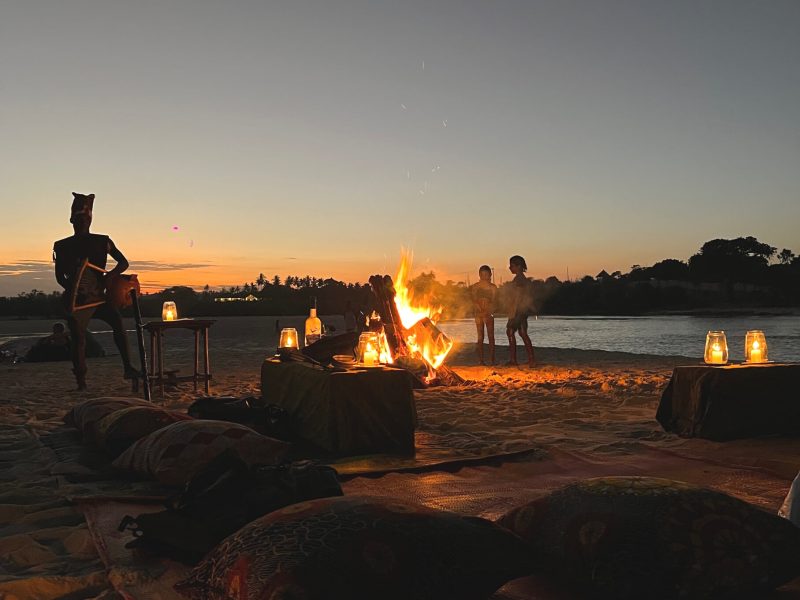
<point x="432" y="452"/>
<point x="134" y="576"/>
<point x="491" y="490"/>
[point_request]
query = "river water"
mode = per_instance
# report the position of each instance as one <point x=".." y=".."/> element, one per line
<point x="661" y="335"/>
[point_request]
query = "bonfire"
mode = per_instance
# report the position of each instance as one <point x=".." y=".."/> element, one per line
<point x="407" y="325"/>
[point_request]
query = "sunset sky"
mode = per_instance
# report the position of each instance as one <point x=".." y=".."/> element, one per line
<point x="319" y="137"/>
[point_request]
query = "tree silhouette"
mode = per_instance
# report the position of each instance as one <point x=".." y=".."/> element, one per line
<point x="740" y="259"/>
<point x="785" y="256"/>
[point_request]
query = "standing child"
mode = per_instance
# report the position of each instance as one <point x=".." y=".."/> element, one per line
<point x="484" y="295"/>
<point x="518" y="310"/>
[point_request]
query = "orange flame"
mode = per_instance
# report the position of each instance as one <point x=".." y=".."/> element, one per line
<point x="417" y="316"/>
<point x="385" y="352"/>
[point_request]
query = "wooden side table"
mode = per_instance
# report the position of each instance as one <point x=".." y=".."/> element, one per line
<point x="157" y="329"/>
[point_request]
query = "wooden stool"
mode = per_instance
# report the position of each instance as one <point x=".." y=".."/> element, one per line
<point x="161" y="376"/>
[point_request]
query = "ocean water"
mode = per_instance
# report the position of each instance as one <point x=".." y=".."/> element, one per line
<point x="660" y="335"/>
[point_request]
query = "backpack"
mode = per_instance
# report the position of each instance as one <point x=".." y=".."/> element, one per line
<point x="266" y="419"/>
<point x="222" y="498"/>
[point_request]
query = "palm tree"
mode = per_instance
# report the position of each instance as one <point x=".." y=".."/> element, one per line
<point x="785" y="256"/>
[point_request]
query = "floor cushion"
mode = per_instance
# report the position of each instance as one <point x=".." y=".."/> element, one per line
<point x="174" y="453"/>
<point x="83" y="416"/>
<point x="115" y="432"/>
<point x="642" y="537"/>
<point x="358" y="547"/>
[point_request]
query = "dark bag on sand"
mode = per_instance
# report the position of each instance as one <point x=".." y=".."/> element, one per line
<point x="222" y="498"/>
<point x="266" y="419"/>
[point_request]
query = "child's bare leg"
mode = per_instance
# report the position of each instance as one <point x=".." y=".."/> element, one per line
<point x="523" y="333"/>
<point x="512" y="347"/>
<point x="479" y="348"/>
<point x="490" y="333"/>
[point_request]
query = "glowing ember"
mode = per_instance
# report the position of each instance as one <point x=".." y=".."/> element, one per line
<point x="419" y="317"/>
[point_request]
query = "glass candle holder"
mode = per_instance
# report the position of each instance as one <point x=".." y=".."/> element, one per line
<point x="169" y="312"/>
<point x="368" y="351"/>
<point x="755" y="346"/>
<point x="288" y="340"/>
<point x="716" y="348"/>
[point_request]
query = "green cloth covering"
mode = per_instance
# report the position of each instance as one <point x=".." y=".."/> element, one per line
<point x="365" y="411"/>
<point x="735" y="401"/>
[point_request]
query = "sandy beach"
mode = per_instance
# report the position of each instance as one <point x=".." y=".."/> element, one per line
<point x="586" y="413"/>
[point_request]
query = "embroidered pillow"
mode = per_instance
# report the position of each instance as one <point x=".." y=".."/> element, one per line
<point x="173" y="454"/>
<point x="642" y="537"/>
<point x="114" y="433"/>
<point x="83" y="416"/>
<point x="359" y="547"/>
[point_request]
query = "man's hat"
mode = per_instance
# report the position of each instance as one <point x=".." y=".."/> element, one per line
<point x="82" y="203"/>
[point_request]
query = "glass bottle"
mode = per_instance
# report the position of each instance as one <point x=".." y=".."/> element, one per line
<point x="313" y="327"/>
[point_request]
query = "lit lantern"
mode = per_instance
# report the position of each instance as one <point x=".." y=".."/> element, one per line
<point x="368" y="349"/>
<point x="755" y="346"/>
<point x="169" y="312"/>
<point x="288" y="340"/>
<point x="716" y="348"/>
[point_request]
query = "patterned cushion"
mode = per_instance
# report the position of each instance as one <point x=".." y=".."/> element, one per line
<point x="84" y="415"/>
<point x="117" y="431"/>
<point x="360" y="547"/>
<point x="176" y="452"/>
<point x="641" y="537"/>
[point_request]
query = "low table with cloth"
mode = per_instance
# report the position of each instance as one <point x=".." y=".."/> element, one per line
<point x="733" y="401"/>
<point x="344" y="411"/>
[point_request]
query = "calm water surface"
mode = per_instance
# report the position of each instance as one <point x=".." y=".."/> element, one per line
<point x="667" y="335"/>
<point x="664" y="335"/>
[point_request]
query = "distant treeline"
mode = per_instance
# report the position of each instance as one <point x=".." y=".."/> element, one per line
<point x="736" y="273"/>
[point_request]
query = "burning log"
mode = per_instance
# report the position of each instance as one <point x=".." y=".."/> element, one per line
<point x="426" y="339"/>
<point x="383" y="288"/>
<point x="422" y="344"/>
<point x="446" y="376"/>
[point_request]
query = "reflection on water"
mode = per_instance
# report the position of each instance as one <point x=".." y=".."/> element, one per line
<point x="668" y="335"/>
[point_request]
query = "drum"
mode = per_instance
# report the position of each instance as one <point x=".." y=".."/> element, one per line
<point x="118" y="289"/>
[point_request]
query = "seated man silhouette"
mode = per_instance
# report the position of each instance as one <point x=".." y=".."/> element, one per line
<point x="58" y="338"/>
<point x="69" y="255"/>
<point x="55" y="346"/>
